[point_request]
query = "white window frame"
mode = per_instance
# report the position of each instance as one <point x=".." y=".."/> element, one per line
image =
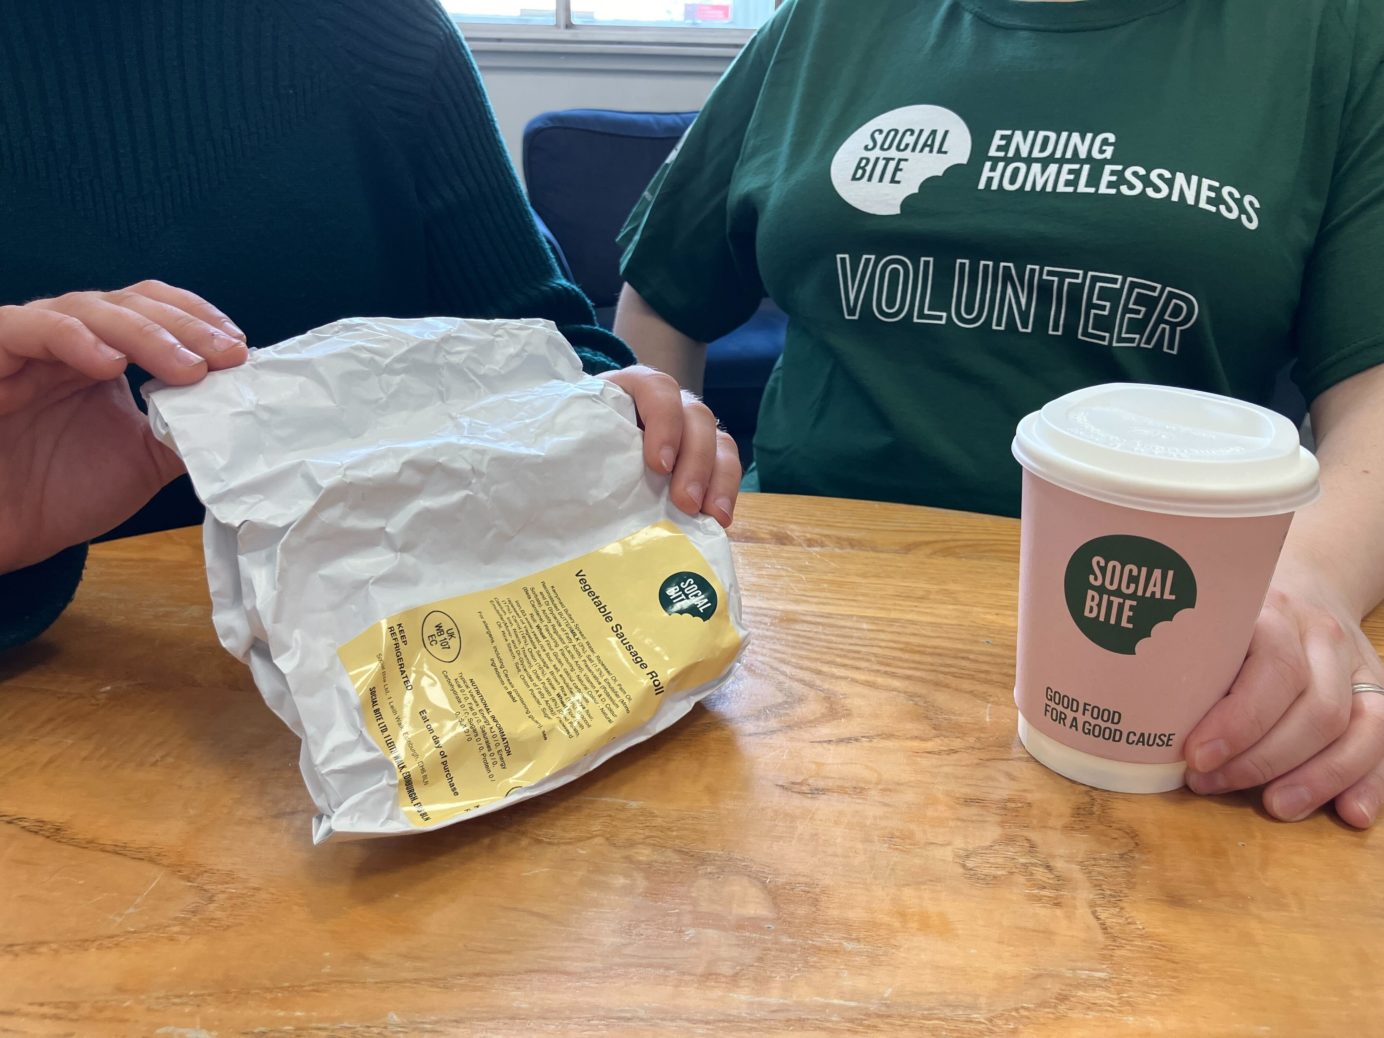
<point x="567" y="37"/>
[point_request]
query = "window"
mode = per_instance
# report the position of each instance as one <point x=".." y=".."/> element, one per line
<point x="648" y="14"/>
<point x="512" y="11"/>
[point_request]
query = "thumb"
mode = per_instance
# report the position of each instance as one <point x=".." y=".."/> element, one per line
<point x="165" y="464"/>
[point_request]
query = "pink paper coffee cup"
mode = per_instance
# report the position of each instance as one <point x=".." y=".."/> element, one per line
<point x="1152" y="521"/>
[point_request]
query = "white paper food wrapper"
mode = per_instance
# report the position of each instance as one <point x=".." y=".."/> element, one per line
<point x="437" y="546"/>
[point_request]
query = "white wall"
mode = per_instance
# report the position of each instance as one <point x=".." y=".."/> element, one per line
<point x="522" y="84"/>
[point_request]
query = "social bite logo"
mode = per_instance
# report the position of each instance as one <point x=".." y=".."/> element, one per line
<point x="1119" y="588"/>
<point x="890" y="157"/>
<point x="688" y="594"/>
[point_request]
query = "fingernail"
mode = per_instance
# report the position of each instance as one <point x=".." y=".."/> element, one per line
<point x="109" y="352"/>
<point x="187" y="357"/>
<point x="668" y="456"/>
<point x="231" y="327"/>
<point x="696" y="492"/>
<point x="1207" y="784"/>
<point x="722" y="505"/>
<point x="221" y="343"/>
<point x="1211" y="755"/>
<point x="1292" y="804"/>
<point x="1368" y="808"/>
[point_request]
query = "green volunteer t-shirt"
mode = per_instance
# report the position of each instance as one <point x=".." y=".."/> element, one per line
<point x="969" y="207"/>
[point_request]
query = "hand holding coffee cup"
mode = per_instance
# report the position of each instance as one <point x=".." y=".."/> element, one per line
<point x="1152" y="522"/>
<point x="1305" y="715"/>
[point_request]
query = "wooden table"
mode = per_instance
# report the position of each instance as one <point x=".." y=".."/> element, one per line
<point x="846" y="840"/>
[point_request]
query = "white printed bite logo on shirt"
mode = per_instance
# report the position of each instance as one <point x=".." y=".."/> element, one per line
<point x="889" y="158"/>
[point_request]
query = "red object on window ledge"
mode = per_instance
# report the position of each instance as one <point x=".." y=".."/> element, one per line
<point x="706" y="12"/>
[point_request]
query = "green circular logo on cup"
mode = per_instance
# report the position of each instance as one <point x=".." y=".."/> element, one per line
<point x="688" y="594"/>
<point x="1119" y="588"/>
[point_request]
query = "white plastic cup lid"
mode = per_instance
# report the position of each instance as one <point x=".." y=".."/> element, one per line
<point x="1163" y="449"/>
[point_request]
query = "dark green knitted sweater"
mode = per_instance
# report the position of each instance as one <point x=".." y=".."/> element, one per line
<point x="293" y="161"/>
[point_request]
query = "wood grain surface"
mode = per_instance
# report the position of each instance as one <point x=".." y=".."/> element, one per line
<point x="848" y="840"/>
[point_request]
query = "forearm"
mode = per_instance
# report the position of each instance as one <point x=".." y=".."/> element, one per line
<point x="657" y="343"/>
<point x="1337" y="545"/>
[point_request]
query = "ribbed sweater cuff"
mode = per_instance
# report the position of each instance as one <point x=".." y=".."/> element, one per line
<point x="594" y="363"/>
<point x="31" y="599"/>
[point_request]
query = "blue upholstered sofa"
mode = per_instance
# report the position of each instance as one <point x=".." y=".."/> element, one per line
<point x="585" y="169"/>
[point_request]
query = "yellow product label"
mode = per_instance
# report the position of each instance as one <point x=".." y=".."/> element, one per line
<point x="476" y="696"/>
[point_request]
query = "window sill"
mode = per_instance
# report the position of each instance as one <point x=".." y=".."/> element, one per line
<point x="512" y="44"/>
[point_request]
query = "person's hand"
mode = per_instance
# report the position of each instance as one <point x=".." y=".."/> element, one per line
<point x="78" y="457"/>
<point x="681" y="437"/>
<point x="1291" y="722"/>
